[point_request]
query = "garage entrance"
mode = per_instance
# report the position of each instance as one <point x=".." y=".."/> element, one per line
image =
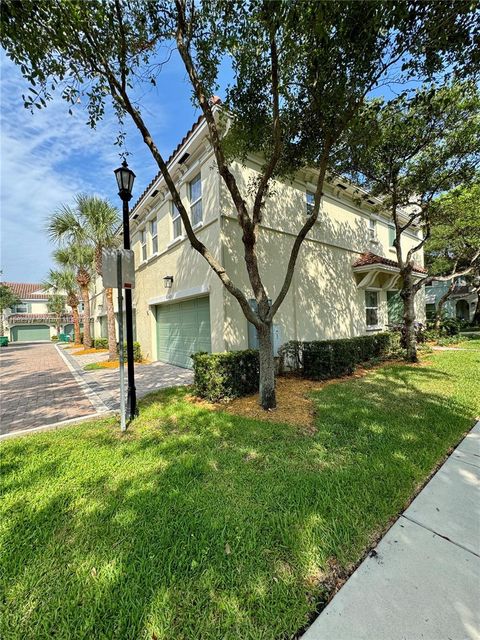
<point x="30" y="333"/>
<point x="183" y="328"/>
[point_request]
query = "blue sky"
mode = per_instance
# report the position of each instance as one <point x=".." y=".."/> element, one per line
<point x="49" y="156"/>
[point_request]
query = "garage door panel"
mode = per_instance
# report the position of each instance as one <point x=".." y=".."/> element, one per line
<point x="183" y="328"/>
<point x="30" y="333"/>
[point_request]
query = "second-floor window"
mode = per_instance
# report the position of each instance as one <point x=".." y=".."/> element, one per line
<point x="391" y="236"/>
<point x="154" y="234"/>
<point x="196" y="200"/>
<point x="310" y="202"/>
<point x="143" y="242"/>
<point x="176" y="222"/>
<point x="20" y="308"/>
<point x="372" y="229"/>
<point x="371" y="308"/>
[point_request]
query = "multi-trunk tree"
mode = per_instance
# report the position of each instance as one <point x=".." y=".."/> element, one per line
<point x="300" y="72"/>
<point x="408" y="152"/>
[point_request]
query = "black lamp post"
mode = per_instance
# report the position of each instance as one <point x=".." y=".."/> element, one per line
<point x="125" y="178"/>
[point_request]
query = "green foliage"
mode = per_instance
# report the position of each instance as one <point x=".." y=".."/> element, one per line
<point x="8" y="299"/>
<point x="54" y="338"/>
<point x="455" y="230"/>
<point x="326" y="359"/>
<point x="137" y="351"/>
<point x="226" y="375"/>
<point x="100" y="343"/>
<point x="56" y="304"/>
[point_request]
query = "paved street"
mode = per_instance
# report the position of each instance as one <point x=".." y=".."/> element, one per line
<point x="423" y="581"/>
<point x="37" y="388"/>
<point x="148" y="377"/>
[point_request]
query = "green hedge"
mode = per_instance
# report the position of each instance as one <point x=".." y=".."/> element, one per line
<point x="102" y="343"/>
<point x="325" y="359"/>
<point x="137" y="352"/>
<point x="226" y="375"/>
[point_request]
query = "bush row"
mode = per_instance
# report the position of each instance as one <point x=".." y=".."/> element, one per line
<point x="325" y="359"/>
<point x="226" y="375"/>
<point x="102" y="343"/>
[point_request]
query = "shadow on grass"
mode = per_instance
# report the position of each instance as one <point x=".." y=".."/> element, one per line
<point x="207" y="525"/>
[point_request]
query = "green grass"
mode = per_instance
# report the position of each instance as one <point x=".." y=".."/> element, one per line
<point x="205" y="525"/>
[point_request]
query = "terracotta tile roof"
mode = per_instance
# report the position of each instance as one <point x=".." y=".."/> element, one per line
<point x="190" y="132"/>
<point x="369" y="258"/>
<point x="27" y="318"/>
<point x="27" y="290"/>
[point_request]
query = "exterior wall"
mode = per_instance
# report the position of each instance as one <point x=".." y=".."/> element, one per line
<point x="323" y="301"/>
<point x="191" y="274"/>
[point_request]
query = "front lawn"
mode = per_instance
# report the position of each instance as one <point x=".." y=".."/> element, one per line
<point x="200" y="524"/>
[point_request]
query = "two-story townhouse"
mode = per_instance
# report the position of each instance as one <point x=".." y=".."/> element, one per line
<point x="30" y="320"/>
<point x="345" y="284"/>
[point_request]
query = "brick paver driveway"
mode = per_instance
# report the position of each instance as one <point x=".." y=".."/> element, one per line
<point x="37" y="388"/>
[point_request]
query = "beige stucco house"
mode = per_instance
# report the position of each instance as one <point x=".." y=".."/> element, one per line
<point x="345" y="283"/>
<point x="30" y="320"/>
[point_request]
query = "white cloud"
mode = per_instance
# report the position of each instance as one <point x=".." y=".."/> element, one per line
<point x="46" y="158"/>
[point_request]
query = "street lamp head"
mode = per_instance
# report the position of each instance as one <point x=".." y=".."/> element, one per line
<point x="125" y="178"/>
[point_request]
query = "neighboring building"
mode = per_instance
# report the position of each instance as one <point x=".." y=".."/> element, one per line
<point x="30" y="320"/>
<point x="461" y="304"/>
<point x="345" y="284"/>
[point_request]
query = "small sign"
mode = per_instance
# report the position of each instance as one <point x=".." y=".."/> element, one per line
<point x="109" y="268"/>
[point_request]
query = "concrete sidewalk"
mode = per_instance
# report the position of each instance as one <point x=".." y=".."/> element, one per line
<point x="423" y="582"/>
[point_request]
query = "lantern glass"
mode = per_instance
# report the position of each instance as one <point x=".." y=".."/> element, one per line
<point x="168" y="281"/>
<point x="125" y="178"/>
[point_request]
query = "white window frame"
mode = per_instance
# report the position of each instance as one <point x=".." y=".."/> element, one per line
<point x="309" y="205"/>
<point x="391" y="236"/>
<point x="175" y="219"/>
<point x="372" y="229"/>
<point x="143" y="244"/>
<point x="154" y="236"/>
<point x="376" y="308"/>
<point x="194" y="203"/>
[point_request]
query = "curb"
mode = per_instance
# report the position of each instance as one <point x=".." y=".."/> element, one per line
<point x="57" y="425"/>
<point x="75" y="370"/>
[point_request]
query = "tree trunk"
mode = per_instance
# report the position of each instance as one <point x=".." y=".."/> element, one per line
<point x="440" y="305"/>
<point x="267" y="367"/>
<point x="112" y="338"/>
<point x="87" y="341"/>
<point x="408" y="296"/>
<point x="76" y="324"/>
<point x="2" y="326"/>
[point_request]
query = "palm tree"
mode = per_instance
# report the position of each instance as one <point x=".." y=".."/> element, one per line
<point x="92" y="222"/>
<point x="65" y="280"/>
<point x="100" y="223"/>
<point x="79" y="257"/>
<point x="56" y="305"/>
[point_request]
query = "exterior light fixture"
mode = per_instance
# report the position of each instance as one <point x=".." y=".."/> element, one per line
<point x="125" y="179"/>
<point x="168" y="281"/>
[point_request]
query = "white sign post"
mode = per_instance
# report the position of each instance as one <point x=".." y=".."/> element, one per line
<point x="118" y="271"/>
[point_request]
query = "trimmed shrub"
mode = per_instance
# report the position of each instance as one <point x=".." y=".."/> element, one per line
<point x="100" y="343"/>
<point x="226" y="375"/>
<point x="325" y="359"/>
<point x="54" y="338"/>
<point x="137" y="351"/>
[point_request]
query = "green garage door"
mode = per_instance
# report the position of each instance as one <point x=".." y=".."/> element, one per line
<point x="182" y="329"/>
<point x="30" y="333"/>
